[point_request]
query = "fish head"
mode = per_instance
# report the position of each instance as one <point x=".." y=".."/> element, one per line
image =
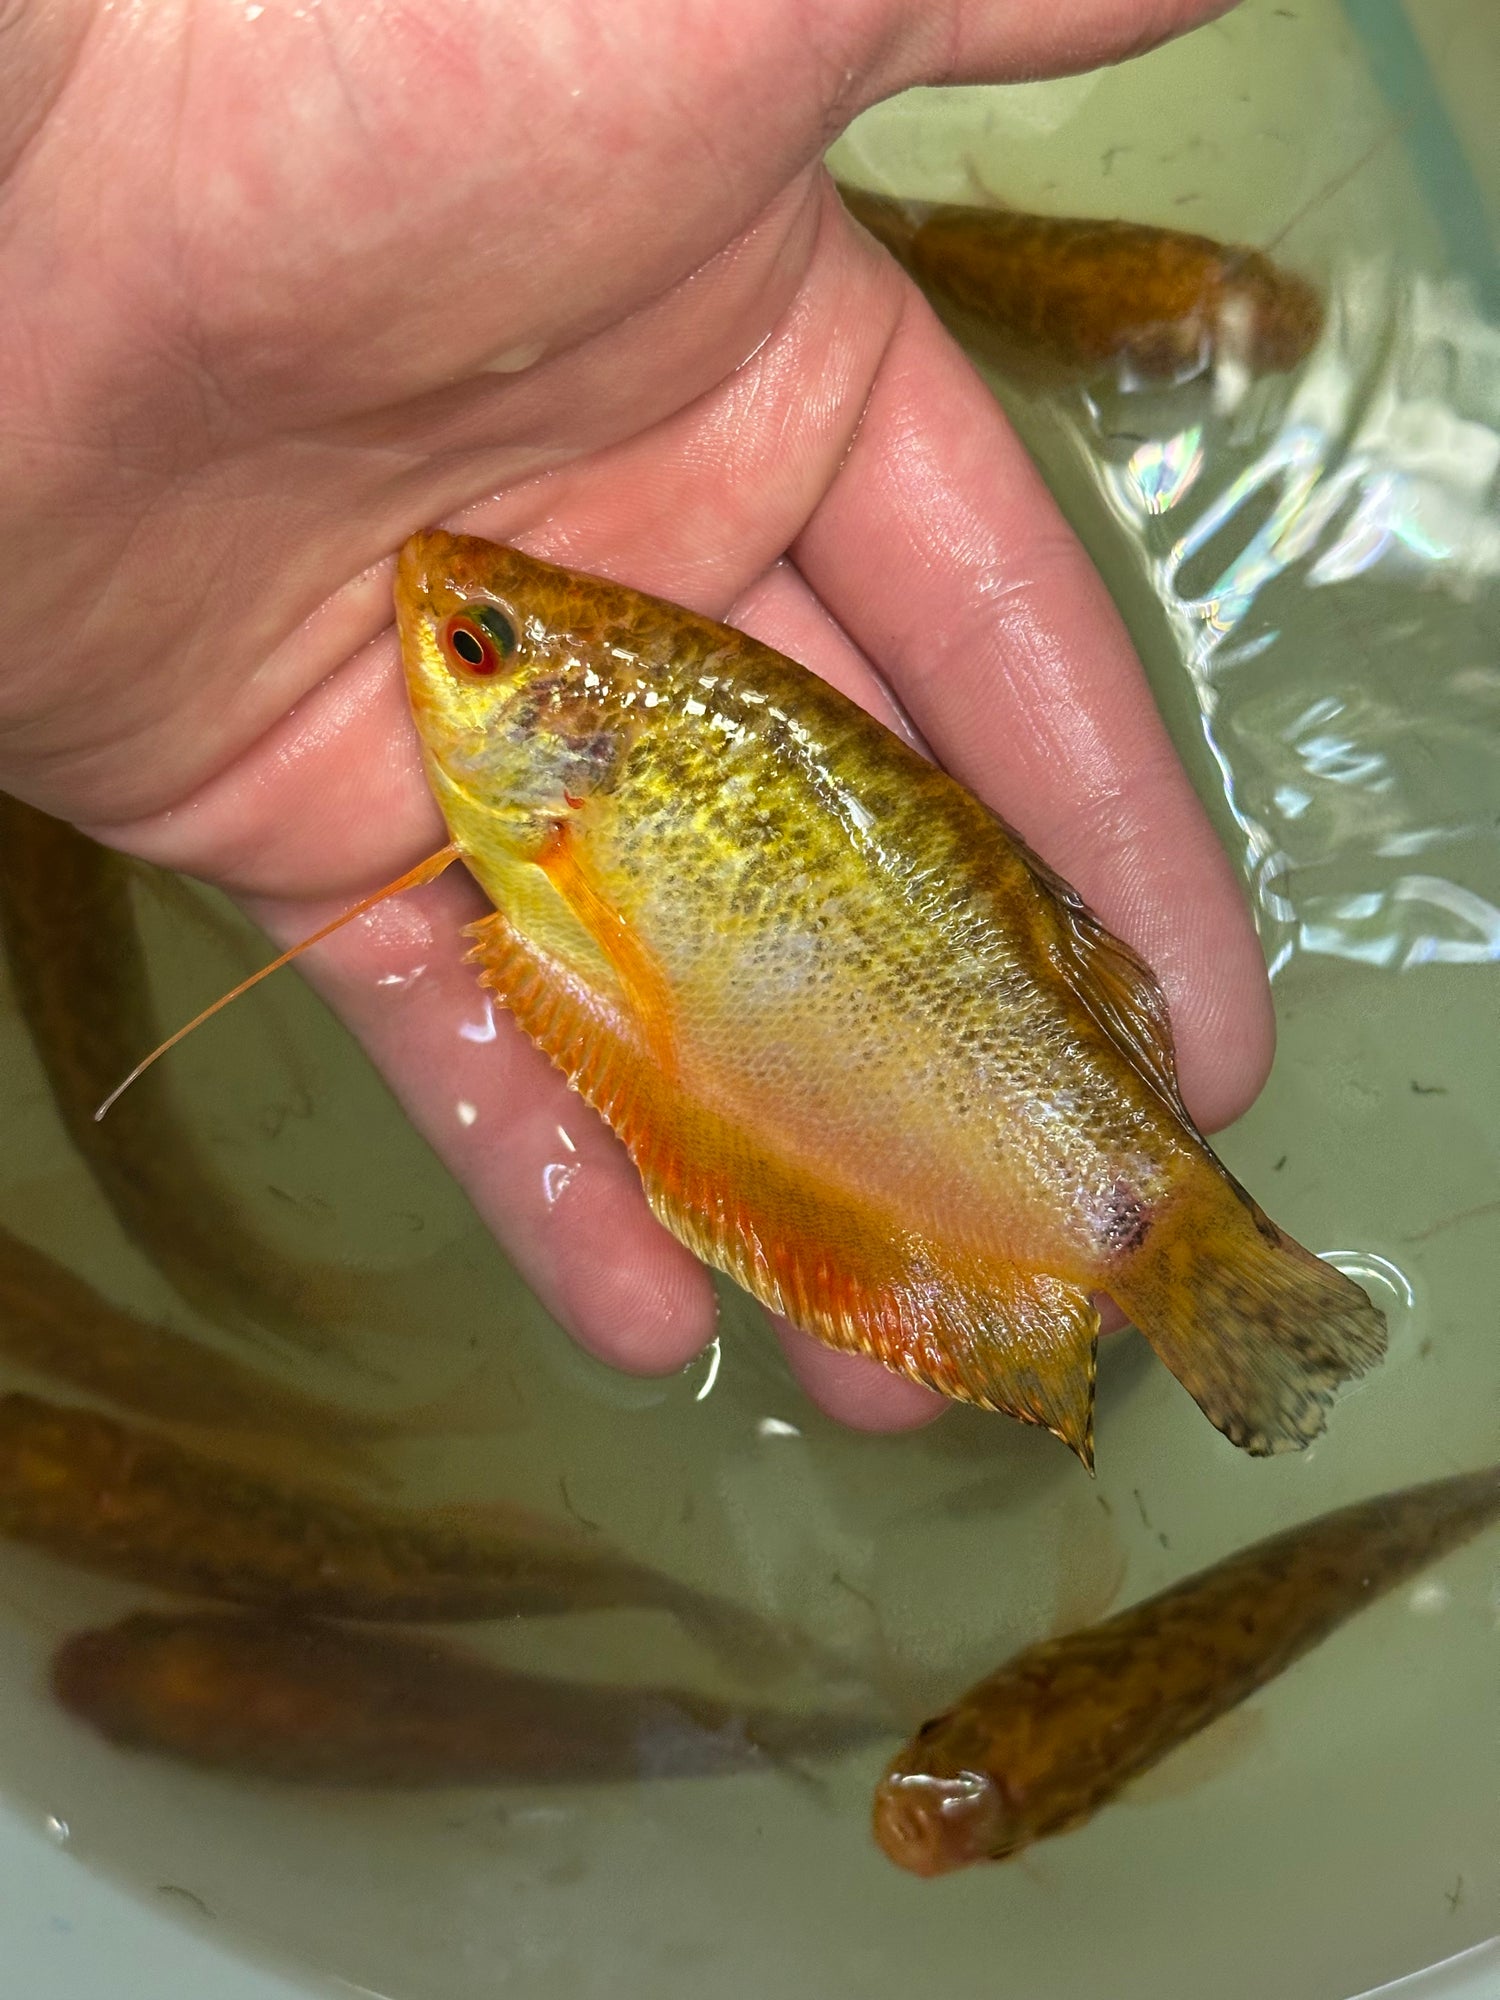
<point x="931" y="1820"/>
<point x="499" y="651"/>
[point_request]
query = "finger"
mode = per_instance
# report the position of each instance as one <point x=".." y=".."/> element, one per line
<point x="266" y="574"/>
<point x="372" y="388"/>
<point x="858" y="1392"/>
<point x="544" y="1174"/>
<point x="329" y="795"/>
<point x="939" y="549"/>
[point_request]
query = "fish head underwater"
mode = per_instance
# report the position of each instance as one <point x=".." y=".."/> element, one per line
<point x="1029" y="1754"/>
<point x="930" y="1823"/>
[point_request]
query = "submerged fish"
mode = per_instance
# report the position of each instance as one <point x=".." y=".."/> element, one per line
<point x="318" y="1704"/>
<point x="53" y="1321"/>
<point x="112" y="1498"/>
<point x="1089" y="292"/>
<point x="870" y="1056"/>
<point x="1038" y="1747"/>
<point x="81" y="978"/>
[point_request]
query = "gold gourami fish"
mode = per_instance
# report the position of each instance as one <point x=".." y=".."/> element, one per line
<point x="870" y="1055"/>
<point x="321" y="1704"/>
<point x="1041" y="1745"/>
<point x="1085" y="292"/>
<point x="81" y="978"/>
<point x="120" y="1500"/>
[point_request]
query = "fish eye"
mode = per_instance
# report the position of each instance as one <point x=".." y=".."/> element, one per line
<point x="477" y="639"/>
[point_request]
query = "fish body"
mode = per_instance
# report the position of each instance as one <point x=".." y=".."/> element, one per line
<point x="80" y="974"/>
<point x="319" y="1704"/>
<point x="1042" y="1744"/>
<point x="871" y="1057"/>
<point x="1089" y="292"/>
<point x="114" y="1498"/>
<point x="53" y="1321"/>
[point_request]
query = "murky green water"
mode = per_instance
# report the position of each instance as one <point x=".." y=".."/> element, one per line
<point x="1310" y="570"/>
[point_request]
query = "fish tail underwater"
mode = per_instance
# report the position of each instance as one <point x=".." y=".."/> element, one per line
<point x="1260" y="1332"/>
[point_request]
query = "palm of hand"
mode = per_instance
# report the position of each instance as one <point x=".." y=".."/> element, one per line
<point x="331" y="275"/>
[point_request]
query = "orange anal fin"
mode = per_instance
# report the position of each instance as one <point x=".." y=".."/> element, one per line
<point x="848" y="1272"/>
<point x="978" y="1330"/>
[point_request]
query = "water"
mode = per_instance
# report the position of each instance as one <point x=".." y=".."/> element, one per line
<point x="1310" y="571"/>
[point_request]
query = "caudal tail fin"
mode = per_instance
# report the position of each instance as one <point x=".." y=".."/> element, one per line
<point x="1259" y="1331"/>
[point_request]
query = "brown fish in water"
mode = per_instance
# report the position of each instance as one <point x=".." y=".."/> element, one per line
<point x="112" y="1498"/>
<point x="81" y="978"/>
<point x="317" y="1704"/>
<point x="53" y="1321"/>
<point x="1038" y="1747"/>
<point x="870" y="1055"/>
<point x="1087" y="292"/>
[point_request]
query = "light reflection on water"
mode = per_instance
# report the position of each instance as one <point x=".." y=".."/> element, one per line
<point x="1311" y="568"/>
<point x="1381" y="470"/>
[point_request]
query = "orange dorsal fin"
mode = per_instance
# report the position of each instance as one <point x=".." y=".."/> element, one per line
<point x="414" y="878"/>
<point x="1123" y="996"/>
<point x="1118" y="988"/>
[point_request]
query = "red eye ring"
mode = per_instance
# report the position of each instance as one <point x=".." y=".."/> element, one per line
<point x="477" y="639"/>
<point x="468" y="646"/>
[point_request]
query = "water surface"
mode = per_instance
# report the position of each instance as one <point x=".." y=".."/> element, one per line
<point x="1309" y="567"/>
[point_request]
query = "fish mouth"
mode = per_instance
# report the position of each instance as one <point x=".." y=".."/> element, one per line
<point x="931" y="1824"/>
<point x="422" y="553"/>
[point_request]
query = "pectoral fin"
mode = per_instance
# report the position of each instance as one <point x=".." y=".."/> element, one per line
<point x="644" y="985"/>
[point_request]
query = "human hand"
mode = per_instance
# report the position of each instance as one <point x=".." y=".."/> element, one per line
<point x="279" y="284"/>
